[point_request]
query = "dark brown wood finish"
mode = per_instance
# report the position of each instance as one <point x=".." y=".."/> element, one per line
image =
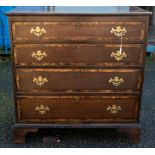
<point x="77" y="31"/>
<point x="78" y="80"/>
<point x="75" y="54"/>
<point x="78" y="109"/>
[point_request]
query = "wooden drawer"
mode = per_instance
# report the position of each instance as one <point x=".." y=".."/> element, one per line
<point x="78" y="80"/>
<point x="78" y="55"/>
<point x="78" y="31"/>
<point x="77" y="109"/>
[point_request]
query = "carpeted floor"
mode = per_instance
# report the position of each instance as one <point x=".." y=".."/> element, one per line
<point x="78" y="137"/>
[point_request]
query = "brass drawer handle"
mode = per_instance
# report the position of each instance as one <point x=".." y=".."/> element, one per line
<point x="114" y="109"/>
<point x="116" y="81"/>
<point x="39" y="55"/>
<point x="118" y="55"/>
<point x="40" y="81"/>
<point x="37" y="31"/>
<point x="42" y="109"/>
<point x="118" y="31"/>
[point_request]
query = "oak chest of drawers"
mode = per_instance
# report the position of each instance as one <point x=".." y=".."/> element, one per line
<point x="78" y="67"/>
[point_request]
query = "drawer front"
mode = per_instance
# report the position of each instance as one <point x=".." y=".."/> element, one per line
<point x="78" y="80"/>
<point x="78" y="54"/>
<point x="77" y="108"/>
<point x="78" y="31"/>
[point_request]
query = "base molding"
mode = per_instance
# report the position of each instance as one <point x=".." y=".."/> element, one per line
<point x="20" y="130"/>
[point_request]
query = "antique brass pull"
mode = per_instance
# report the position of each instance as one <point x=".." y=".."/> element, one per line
<point x="37" y="31"/>
<point x="116" y="81"/>
<point x="39" y="55"/>
<point x="42" y="109"/>
<point x="118" y="31"/>
<point x="40" y="81"/>
<point x="114" y="109"/>
<point x="118" y="55"/>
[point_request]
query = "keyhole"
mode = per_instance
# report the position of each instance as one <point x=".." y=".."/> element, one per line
<point x="77" y="49"/>
<point x="77" y="25"/>
<point x="78" y="73"/>
<point x="77" y="99"/>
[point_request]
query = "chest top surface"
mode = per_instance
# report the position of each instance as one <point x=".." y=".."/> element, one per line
<point x="78" y="10"/>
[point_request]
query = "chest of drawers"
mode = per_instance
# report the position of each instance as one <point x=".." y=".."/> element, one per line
<point x="77" y="67"/>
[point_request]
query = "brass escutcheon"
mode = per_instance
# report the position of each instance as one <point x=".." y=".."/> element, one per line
<point x="42" y="109"/>
<point x="78" y="73"/>
<point x="118" y="55"/>
<point x="38" y="31"/>
<point x="40" y="81"/>
<point x="39" y="55"/>
<point x="116" y="81"/>
<point x="114" y="109"/>
<point x="118" y="31"/>
<point x="77" y="25"/>
<point x="77" y="99"/>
